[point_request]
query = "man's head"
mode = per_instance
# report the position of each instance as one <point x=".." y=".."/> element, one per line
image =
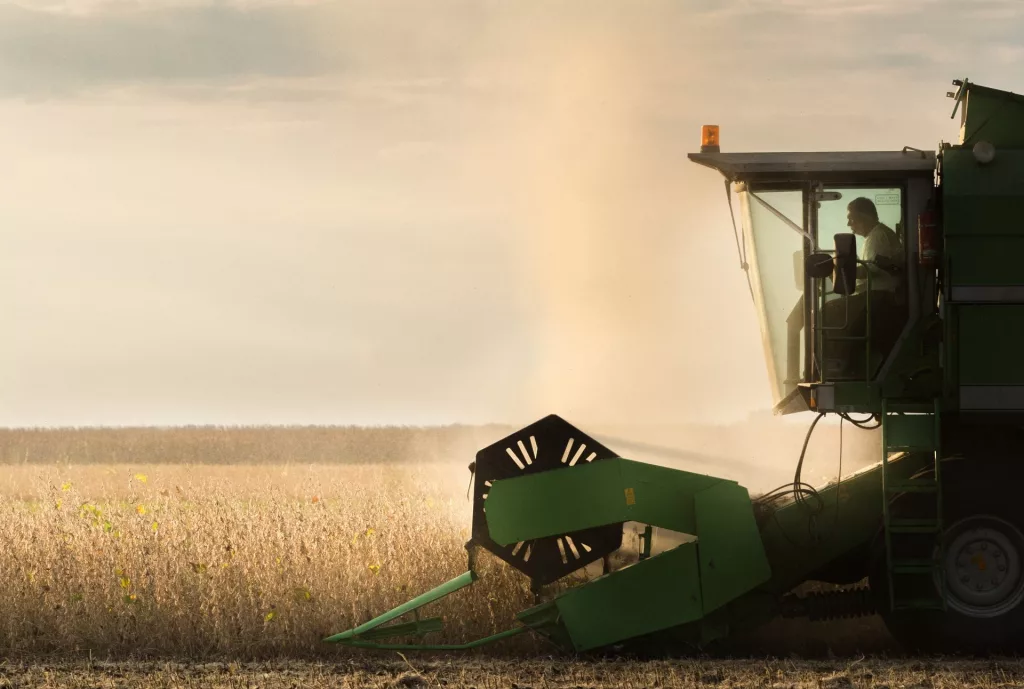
<point x="861" y="216"/>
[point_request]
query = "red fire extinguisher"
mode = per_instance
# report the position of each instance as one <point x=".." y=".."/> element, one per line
<point x="929" y="238"/>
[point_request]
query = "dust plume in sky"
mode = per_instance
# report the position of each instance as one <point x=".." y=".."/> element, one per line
<point x="404" y="212"/>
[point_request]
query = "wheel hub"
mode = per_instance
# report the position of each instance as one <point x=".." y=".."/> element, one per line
<point x="984" y="567"/>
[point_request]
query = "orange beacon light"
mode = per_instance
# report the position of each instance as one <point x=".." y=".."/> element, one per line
<point x="709" y="138"/>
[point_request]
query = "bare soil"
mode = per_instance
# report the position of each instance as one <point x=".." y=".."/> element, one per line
<point x="485" y="673"/>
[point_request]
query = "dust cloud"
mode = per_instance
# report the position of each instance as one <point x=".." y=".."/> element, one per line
<point x="454" y="216"/>
<point x="623" y="265"/>
<point x="604" y="233"/>
<point x="620" y="276"/>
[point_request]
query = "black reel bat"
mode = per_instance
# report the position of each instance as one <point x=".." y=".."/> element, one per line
<point x="551" y="444"/>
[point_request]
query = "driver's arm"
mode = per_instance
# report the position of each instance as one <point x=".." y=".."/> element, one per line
<point x="884" y="263"/>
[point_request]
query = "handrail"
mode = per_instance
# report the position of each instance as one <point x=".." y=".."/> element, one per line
<point x="866" y="337"/>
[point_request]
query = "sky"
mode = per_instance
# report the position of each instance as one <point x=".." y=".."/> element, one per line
<point x="411" y="212"/>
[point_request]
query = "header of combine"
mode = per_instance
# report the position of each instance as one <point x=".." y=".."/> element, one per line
<point x="887" y="283"/>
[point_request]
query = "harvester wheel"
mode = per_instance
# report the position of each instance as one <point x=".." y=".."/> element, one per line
<point x="983" y="565"/>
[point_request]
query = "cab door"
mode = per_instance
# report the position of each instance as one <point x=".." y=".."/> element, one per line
<point x="852" y="339"/>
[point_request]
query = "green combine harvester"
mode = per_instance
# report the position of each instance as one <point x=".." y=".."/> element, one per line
<point x="928" y="346"/>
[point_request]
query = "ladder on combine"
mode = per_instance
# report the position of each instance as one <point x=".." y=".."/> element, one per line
<point x="913" y="544"/>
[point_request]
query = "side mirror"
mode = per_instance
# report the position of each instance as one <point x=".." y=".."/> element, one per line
<point x="844" y="277"/>
<point x="818" y="266"/>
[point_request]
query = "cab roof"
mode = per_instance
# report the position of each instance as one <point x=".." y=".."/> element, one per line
<point x="815" y="166"/>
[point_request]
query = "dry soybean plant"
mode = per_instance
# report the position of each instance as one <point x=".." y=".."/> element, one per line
<point x="248" y="561"/>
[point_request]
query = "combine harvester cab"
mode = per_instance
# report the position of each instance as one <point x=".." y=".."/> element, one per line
<point x="924" y="340"/>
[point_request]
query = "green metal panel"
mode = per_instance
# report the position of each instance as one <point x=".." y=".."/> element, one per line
<point x="991" y="344"/>
<point x="606" y="492"/>
<point x="993" y="115"/>
<point x="655" y="594"/>
<point x="985" y="260"/>
<point x="865" y="397"/>
<point x="727" y="561"/>
<point x="732" y="558"/>
<point x="983" y="217"/>
<point x="950" y="355"/>
<point x="973" y="213"/>
<point x="910" y="432"/>
<point x="999" y="180"/>
<point x="857" y="397"/>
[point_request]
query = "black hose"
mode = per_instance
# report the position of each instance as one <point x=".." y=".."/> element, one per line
<point x="863" y="423"/>
<point x="800" y="490"/>
<point x="797" y="492"/>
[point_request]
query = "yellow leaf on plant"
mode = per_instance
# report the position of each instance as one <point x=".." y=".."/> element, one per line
<point x="370" y="532"/>
<point x="140" y="509"/>
<point x="269" y="616"/>
<point x="374" y="568"/>
<point x="125" y="582"/>
<point x="141" y="478"/>
<point x="66" y="486"/>
<point x="155" y="526"/>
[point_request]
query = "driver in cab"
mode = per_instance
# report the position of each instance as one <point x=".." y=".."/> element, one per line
<point x="883" y="255"/>
<point x="881" y="245"/>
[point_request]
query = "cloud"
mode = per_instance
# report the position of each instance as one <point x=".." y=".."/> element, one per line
<point x="106" y="7"/>
<point x="276" y="49"/>
<point x="264" y="50"/>
<point x="43" y="53"/>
